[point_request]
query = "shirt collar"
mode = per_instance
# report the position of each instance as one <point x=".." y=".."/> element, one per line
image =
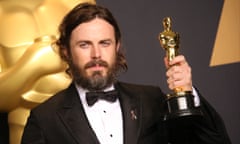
<point x="82" y="92"/>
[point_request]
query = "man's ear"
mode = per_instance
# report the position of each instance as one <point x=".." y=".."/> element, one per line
<point x="66" y="53"/>
<point x="118" y="46"/>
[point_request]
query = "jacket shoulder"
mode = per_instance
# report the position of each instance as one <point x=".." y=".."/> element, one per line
<point x="148" y="92"/>
<point x="138" y="87"/>
<point x="56" y="101"/>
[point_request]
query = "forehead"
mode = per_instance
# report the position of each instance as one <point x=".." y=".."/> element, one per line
<point x="96" y="28"/>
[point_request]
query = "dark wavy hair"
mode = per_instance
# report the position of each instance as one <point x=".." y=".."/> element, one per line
<point x="85" y="12"/>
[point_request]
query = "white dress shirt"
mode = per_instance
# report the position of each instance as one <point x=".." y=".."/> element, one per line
<point x="105" y="118"/>
<point x="196" y="97"/>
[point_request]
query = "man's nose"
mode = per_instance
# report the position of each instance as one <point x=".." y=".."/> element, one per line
<point x="96" y="52"/>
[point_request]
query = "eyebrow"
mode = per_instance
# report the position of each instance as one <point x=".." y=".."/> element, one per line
<point x="83" y="41"/>
<point x="110" y="40"/>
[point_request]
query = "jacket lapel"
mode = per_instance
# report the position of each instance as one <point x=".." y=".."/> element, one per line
<point x="73" y="116"/>
<point x="130" y="104"/>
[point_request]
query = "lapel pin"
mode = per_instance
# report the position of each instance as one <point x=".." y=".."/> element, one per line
<point x="133" y="115"/>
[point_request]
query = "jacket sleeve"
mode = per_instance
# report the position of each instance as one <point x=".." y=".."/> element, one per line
<point x="206" y="129"/>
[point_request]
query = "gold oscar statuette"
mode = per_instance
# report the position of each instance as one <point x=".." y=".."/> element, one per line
<point x="180" y="103"/>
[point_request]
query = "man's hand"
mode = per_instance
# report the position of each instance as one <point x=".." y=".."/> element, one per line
<point x="178" y="73"/>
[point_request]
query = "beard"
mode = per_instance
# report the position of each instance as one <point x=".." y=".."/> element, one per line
<point x="96" y="81"/>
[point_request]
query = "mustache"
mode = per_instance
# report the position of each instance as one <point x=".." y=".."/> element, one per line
<point x="93" y="63"/>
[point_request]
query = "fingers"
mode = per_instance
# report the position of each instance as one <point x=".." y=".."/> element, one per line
<point x="179" y="74"/>
<point x="178" y="60"/>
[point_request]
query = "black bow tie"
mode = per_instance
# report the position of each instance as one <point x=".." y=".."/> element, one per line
<point x="92" y="97"/>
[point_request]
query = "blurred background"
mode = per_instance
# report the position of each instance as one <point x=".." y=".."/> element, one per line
<point x="210" y="40"/>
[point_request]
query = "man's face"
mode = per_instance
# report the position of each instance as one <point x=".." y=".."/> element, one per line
<point x="93" y="51"/>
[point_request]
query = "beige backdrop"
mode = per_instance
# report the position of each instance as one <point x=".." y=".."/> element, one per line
<point x="30" y="69"/>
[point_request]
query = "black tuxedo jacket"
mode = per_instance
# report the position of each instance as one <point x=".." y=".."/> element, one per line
<point x="62" y="120"/>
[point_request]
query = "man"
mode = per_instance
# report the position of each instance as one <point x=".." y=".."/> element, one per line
<point x="90" y="42"/>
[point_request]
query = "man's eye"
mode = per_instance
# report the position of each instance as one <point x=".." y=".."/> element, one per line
<point x="83" y="45"/>
<point x="106" y="43"/>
